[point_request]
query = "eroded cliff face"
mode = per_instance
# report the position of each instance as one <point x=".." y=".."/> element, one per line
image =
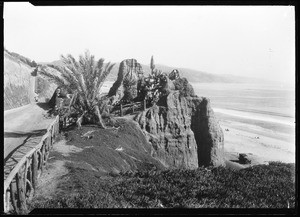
<point x="183" y="129"/>
<point x="168" y="129"/>
<point x="208" y="133"/>
<point x="44" y="87"/>
<point x="23" y="83"/>
<point x="18" y="82"/>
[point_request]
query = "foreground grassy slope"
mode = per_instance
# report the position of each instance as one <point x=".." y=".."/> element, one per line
<point x="262" y="186"/>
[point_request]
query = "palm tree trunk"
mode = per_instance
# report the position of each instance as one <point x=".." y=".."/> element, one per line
<point x="79" y="121"/>
<point x="99" y="117"/>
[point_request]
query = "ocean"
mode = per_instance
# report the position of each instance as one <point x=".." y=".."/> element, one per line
<point x="266" y="110"/>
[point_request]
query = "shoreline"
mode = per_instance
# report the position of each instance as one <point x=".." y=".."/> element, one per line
<point x="261" y="144"/>
<point x="257" y="116"/>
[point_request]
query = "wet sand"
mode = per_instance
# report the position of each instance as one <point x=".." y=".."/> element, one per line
<point x="263" y="140"/>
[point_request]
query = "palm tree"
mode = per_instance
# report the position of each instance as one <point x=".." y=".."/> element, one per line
<point x="83" y="78"/>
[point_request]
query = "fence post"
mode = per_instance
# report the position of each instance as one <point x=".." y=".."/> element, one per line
<point x="121" y="110"/>
<point x="144" y="104"/>
<point x="21" y="194"/>
<point x="42" y="157"/>
<point x="13" y="196"/>
<point x="6" y="197"/>
<point x="34" y="169"/>
<point x="52" y="135"/>
<point x="132" y="107"/>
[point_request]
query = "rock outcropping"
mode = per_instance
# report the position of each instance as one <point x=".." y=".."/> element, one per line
<point x="183" y="129"/>
<point x="208" y="133"/>
<point x="130" y="71"/>
<point x="169" y="131"/>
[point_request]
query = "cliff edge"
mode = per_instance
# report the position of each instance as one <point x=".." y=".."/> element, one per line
<point x="182" y="128"/>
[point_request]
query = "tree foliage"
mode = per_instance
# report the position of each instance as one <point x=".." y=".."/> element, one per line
<point x="84" y="79"/>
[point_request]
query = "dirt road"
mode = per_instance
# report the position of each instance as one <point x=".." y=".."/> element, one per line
<point x="22" y="123"/>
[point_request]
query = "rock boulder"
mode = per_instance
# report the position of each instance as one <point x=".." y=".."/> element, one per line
<point x="130" y="71"/>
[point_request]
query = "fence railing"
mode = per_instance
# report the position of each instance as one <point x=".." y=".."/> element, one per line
<point x="21" y="182"/>
<point x="132" y="107"/>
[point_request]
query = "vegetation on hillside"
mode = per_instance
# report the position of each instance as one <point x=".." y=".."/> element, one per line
<point x="23" y="59"/>
<point x="84" y="79"/>
<point x="261" y="186"/>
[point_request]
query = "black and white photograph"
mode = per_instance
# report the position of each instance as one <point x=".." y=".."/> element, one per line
<point x="149" y="107"/>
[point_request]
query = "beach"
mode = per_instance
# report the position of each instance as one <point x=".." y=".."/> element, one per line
<point x="265" y="144"/>
<point x="257" y="120"/>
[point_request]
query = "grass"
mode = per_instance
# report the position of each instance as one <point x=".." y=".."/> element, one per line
<point x="261" y="186"/>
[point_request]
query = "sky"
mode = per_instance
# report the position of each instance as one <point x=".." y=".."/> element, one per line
<point x="251" y="41"/>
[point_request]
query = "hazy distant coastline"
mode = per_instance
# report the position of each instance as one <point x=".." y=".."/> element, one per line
<point x="196" y="76"/>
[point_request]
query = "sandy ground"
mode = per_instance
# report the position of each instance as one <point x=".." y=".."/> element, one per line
<point x="51" y="177"/>
<point x="49" y="180"/>
<point x="261" y="144"/>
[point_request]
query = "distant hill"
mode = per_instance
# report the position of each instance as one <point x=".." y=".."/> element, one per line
<point x="204" y="77"/>
<point x="190" y="74"/>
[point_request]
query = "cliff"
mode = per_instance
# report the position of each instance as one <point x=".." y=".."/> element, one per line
<point x="22" y="82"/>
<point x="169" y="131"/>
<point x="208" y="133"/>
<point x="44" y="87"/>
<point x="18" y="82"/>
<point x="183" y="130"/>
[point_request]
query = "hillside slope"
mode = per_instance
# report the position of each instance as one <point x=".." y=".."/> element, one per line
<point x="18" y="82"/>
<point x="204" y="77"/>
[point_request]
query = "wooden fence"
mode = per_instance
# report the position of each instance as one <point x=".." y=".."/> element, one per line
<point x="131" y="108"/>
<point x="21" y="182"/>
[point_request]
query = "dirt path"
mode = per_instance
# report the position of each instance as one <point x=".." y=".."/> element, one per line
<point x="55" y="171"/>
<point x="22" y="123"/>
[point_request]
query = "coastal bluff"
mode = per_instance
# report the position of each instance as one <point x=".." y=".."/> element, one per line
<point x="182" y="128"/>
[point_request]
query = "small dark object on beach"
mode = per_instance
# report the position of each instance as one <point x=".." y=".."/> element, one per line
<point x="226" y="129"/>
<point x="243" y="159"/>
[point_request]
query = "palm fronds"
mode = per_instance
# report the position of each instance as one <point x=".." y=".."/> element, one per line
<point x="84" y="78"/>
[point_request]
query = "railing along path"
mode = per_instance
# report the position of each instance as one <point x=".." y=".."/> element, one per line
<point x="124" y="109"/>
<point x="21" y="181"/>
